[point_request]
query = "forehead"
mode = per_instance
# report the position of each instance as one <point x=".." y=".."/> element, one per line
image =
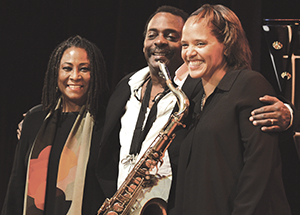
<point x="195" y="21"/>
<point x="163" y="21"/>
<point x="74" y="53"/>
<point x="196" y="26"/>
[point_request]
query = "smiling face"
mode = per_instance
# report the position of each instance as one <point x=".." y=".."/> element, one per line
<point x="74" y="78"/>
<point x="162" y="41"/>
<point x="202" y="52"/>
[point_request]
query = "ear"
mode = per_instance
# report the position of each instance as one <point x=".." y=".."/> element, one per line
<point x="225" y="52"/>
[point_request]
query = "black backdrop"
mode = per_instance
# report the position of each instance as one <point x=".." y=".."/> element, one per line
<point x="29" y="31"/>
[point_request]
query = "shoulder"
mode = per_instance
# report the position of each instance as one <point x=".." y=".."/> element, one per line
<point x="119" y="97"/>
<point x="125" y="80"/>
<point x="36" y="108"/>
<point x="35" y="111"/>
<point x="252" y="80"/>
<point x="35" y="116"/>
<point x="123" y="87"/>
<point x="247" y="73"/>
<point x="32" y="122"/>
<point x="249" y="85"/>
<point x="126" y="77"/>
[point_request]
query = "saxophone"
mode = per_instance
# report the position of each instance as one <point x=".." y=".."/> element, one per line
<point x="123" y="201"/>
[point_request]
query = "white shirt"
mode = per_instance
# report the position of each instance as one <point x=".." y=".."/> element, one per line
<point x="128" y="122"/>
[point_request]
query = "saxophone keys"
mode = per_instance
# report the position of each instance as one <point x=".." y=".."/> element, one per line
<point x="137" y="180"/>
<point x="147" y="177"/>
<point x="155" y="155"/>
<point x="131" y="188"/>
<point x="150" y="163"/>
<point x="117" y="207"/>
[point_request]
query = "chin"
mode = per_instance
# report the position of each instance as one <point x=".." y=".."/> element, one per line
<point x="195" y="74"/>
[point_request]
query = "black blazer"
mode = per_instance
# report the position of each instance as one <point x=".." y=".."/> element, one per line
<point x="227" y="165"/>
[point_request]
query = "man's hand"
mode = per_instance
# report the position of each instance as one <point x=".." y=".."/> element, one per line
<point x="273" y="117"/>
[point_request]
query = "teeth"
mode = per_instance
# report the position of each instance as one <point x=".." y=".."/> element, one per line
<point x="195" y="63"/>
<point x="74" y="87"/>
<point x="159" y="54"/>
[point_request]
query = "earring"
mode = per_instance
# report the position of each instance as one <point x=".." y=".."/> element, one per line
<point x="56" y="89"/>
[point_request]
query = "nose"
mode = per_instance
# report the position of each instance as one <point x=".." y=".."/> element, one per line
<point x="75" y="74"/>
<point x="160" y="40"/>
<point x="189" y="52"/>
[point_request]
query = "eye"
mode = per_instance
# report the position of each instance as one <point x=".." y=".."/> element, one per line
<point x="172" y="37"/>
<point x="201" y="43"/>
<point x="151" y="35"/>
<point x="184" y="45"/>
<point x="85" y="69"/>
<point x="67" y="68"/>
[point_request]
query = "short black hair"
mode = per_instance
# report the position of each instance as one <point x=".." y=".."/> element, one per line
<point x="167" y="9"/>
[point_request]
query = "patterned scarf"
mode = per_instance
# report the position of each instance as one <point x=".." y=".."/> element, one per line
<point x="72" y="164"/>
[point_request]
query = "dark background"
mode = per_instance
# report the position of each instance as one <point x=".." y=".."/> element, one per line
<point x="30" y="30"/>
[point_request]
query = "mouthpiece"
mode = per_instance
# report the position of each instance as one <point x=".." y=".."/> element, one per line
<point x="164" y="72"/>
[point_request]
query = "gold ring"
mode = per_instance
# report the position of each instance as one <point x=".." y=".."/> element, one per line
<point x="272" y="121"/>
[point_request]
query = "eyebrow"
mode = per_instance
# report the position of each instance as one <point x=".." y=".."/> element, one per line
<point x="168" y="30"/>
<point x="79" y="64"/>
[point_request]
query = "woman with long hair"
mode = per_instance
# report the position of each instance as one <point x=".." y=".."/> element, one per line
<point x="55" y="160"/>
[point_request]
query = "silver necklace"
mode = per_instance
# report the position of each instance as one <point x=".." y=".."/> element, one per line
<point x="202" y="101"/>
